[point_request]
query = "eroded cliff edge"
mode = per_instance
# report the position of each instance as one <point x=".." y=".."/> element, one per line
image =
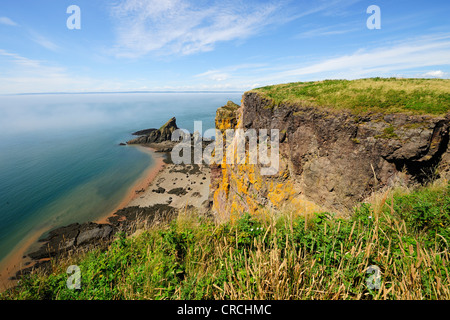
<point x="329" y="158"/>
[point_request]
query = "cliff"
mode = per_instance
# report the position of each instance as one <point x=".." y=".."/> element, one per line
<point x="333" y="155"/>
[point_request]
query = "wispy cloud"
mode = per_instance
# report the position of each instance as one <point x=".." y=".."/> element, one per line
<point x="20" y="74"/>
<point x="18" y="60"/>
<point x="33" y="35"/>
<point x="228" y="72"/>
<point x="325" y="7"/>
<point x="385" y="60"/>
<point x="44" y="42"/>
<point x="7" y="21"/>
<point x="428" y="51"/>
<point x="215" y="75"/>
<point x="29" y="66"/>
<point x="183" y="27"/>
<point x="327" y="31"/>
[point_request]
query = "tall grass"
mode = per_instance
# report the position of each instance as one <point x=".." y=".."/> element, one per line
<point x="277" y="255"/>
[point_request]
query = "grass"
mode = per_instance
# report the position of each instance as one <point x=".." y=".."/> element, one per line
<point x="388" y="133"/>
<point x="414" y="96"/>
<point x="405" y="233"/>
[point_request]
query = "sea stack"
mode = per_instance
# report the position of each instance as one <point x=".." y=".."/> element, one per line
<point x="156" y="135"/>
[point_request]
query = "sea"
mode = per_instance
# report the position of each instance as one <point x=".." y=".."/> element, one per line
<point x="60" y="158"/>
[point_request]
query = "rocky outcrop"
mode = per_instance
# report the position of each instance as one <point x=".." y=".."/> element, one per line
<point x="156" y="135"/>
<point x="144" y="132"/>
<point x="72" y="237"/>
<point x="77" y="237"/>
<point x="329" y="158"/>
<point x="226" y="116"/>
<point x="81" y="236"/>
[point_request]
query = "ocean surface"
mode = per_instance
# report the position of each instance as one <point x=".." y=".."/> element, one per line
<point x="60" y="159"/>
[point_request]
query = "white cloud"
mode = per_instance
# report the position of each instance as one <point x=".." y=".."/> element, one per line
<point x="327" y="31"/>
<point x="19" y="60"/>
<point x="21" y="75"/>
<point x="181" y="27"/>
<point x="214" y="75"/>
<point x="384" y="61"/>
<point x="325" y="7"/>
<point x="425" y="52"/>
<point x="30" y="66"/>
<point x="435" y="74"/>
<point x="44" y="42"/>
<point x="7" y="21"/>
<point x="184" y="27"/>
<point x="229" y="72"/>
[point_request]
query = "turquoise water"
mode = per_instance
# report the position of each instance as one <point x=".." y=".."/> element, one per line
<point x="60" y="161"/>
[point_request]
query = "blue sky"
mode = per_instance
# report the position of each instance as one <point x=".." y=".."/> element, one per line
<point x="140" y="45"/>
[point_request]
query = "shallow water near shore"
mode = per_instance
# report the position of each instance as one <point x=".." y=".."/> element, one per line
<point x="60" y="159"/>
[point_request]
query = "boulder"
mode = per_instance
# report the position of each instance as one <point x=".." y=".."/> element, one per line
<point x="92" y="233"/>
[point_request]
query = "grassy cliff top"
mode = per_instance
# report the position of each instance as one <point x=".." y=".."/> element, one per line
<point x="417" y="96"/>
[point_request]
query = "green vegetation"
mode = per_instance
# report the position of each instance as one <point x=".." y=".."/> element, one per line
<point x="230" y="106"/>
<point x="415" y="96"/>
<point x="404" y="233"/>
<point x="227" y="111"/>
<point x="388" y="133"/>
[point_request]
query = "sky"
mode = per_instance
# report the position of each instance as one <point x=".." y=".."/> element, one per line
<point x="209" y="45"/>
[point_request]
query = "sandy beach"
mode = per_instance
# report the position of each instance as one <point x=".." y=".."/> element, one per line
<point x="15" y="261"/>
<point x="178" y="186"/>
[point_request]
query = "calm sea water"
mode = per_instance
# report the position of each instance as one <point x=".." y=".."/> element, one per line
<point x="60" y="161"/>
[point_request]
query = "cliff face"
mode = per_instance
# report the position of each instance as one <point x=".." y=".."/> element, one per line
<point x="328" y="158"/>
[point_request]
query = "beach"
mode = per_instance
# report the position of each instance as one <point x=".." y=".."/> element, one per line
<point x="177" y="186"/>
<point x="17" y="260"/>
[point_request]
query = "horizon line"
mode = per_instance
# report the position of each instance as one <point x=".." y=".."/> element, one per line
<point x="118" y="92"/>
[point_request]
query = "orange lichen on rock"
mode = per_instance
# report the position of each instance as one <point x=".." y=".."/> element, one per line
<point x="241" y="187"/>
